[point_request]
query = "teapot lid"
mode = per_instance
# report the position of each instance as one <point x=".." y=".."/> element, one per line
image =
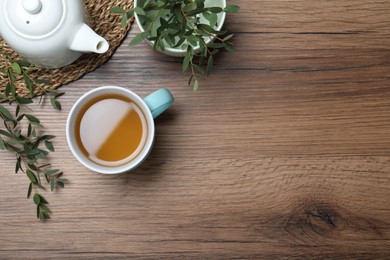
<point x="34" y="18"/>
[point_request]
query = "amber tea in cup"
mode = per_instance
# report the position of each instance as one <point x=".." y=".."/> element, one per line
<point x="110" y="130"/>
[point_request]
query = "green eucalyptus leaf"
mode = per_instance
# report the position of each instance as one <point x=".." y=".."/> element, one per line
<point x="17" y="165"/>
<point x="55" y="103"/>
<point x="231" y="9"/>
<point x="31" y="176"/>
<point x="24" y="101"/>
<point x="227" y="37"/>
<point x="166" y="12"/>
<point x="179" y="15"/>
<point x="146" y="3"/>
<point x="45" y="216"/>
<point x="16" y="68"/>
<point x="12" y="148"/>
<point x="52" y="184"/>
<point x="190" y="7"/>
<point x="49" y="146"/>
<point x="10" y="74"/>
<point x="180" y="42"/>
<point x="2" y="144"/>
<point x="130" y="13"/>
<point x="124" y="20"/>
<point x="211" y="17"/>
<point x="209" y="29"/>
<point x="32" y="119"/>
<point x="32" y="162"/>
<point x="214" y="52"/>
<point x="3" y="97"/>
<point x="13" y="90"/>
<point x="138" y="38"/>
<point x="170" y="40"/>
<point x="196" y="85"/>
<point x="186" y="61"/>
<point x="215" y="9"/>
<point x="138" y="10"/>
<point x="32" y="166"/>
<point x="18" y="133"/>
<point x="17" y="111"/>
<point x="29" y="84"/>
<point x="29" y="190"/>
<point x="29" y="129"/>
<point x="52" y="172"/>
<point x="37" y="199"/>
<point x="192" y="40"/>
<point x="42" y="154"/>
<point x="44" y="208"/>
<point x="203" y="49"/>
<point x="61" y="182"/>
<point x="6" y="114"/>
<point x="58" y="94"/>
<point x="184" y="46"/>
<point x="229" y="47"/>
<point x="42" y="200"/>
<point x="42" y="215"/>
<point x="184" y="26"/>
<point x="23" y="63"/>
<point x="19" y="118"/>
<point x="117" y="10"/>
<point x="8" y="89"/>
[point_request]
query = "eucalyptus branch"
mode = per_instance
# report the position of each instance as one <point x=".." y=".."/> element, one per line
<point x="29" y="146"/>
<point x="23" y="69"/>
<point x="180" y="27"/>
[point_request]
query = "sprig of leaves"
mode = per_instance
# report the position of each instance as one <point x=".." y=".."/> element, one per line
<point x="178" y="24"/>
<point x="28" y="144"/>
<point x="24" y="69"/>
<point x="30" y="148"/>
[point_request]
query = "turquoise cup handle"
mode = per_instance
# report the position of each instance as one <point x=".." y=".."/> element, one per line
<point x="159" y="101"/>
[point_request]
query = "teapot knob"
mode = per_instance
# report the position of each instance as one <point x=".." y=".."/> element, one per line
<point x="32" y="6"/>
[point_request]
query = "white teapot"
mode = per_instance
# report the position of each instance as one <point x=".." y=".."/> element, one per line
<point x="48" y="33"/>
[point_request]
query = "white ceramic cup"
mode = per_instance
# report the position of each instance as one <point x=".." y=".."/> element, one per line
<point x="152" y="106"/>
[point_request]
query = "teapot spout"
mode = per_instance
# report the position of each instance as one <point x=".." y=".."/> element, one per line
<point x="86" y="40"/>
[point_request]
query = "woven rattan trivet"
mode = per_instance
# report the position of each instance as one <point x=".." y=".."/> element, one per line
<point x="103" y="22"/>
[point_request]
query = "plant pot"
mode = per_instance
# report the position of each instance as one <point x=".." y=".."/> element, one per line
<point x="178" y="51"/>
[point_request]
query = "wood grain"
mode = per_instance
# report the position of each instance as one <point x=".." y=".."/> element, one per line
<point x="284" y="152"/>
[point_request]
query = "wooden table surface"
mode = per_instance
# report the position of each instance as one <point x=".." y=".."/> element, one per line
<point x="284" y="152"/>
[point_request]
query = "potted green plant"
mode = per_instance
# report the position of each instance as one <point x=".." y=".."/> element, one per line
<point x="185" y="28"/>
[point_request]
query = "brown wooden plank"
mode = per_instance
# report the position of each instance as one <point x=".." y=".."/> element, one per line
<point x="282" y="153"/>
